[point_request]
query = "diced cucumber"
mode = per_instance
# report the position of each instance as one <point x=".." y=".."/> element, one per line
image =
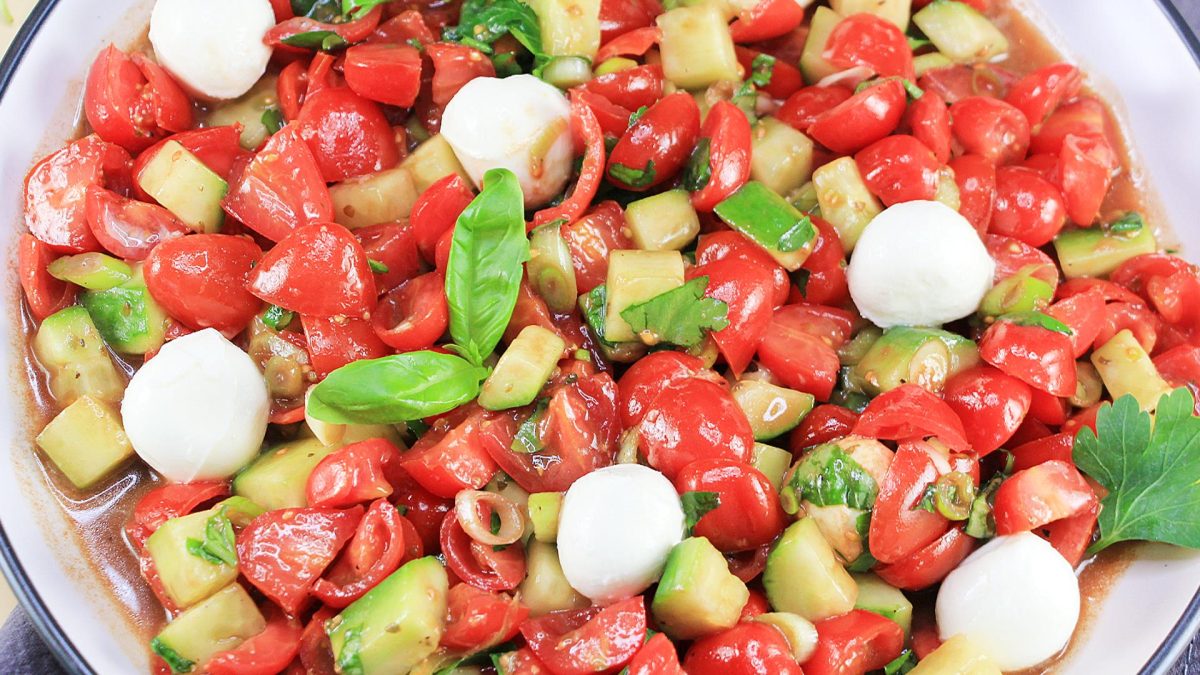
<point x="859" y="346"/>
<point x="70" y="348"/>
<point x="279" y="477"/>
<point x="1097" y="251"/>
<point x="635" y="277"/>
<point x="93" y="271"/>
<point x="964" y="353"/>
<point x="86" y="441"/>
<point x="957" y="656"/>
<point x="395" y="625"/>
<point x="345" y="434"/>
<point x="384" y="197"/>
<point x="432" y="161"/>
<point x="801" y="634"/>
<point x="545" y="588"/>
<point x="569" y="27"/>
<point x="895" y="11"/>
<point x="543" y="513"/>
<point x="551" y="270"/>
<point x="803" y="576"/>
<point x="771" y="462"/>
<point x="804" y="198"/>
<point x="1021" y="292"/>
<point x="960" y="32"/>
<point x="1126" y="368"/>
<point x="761" y="214"/>
<point x="812" y="60"/>
<point x="567" y="72"/>
<point x="696" y="47"/>
<point x="127" y="316"/>
<point x="222" y="622"/>
<point x="845" y="200"/>
<point x="248" y="112"/>
<point x="187" y="578"/>
<point x="772" y="410"/>
<point x="904" y="356"/>
<point x="923" y="63"/>
<point x="781" y="157"/>
<point x="523" y="369"/>
<point x="876" y="595"/>
<point x="697" y="594"/>
<point x="185" y="186"/>
<point x="615" y="65"/>
<point x="664" y="222"/>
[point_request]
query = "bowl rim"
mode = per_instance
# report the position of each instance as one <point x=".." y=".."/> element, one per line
<point x="72" y="660"/>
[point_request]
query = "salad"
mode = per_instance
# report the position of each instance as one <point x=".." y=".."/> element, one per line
<point x="609" y="336"/>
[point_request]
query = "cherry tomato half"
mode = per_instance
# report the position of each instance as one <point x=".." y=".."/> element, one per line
<point x="658" y="145"/>
<point x="692" y="420"/>
<point x="201" y="280"/>
<point x="319" y="269"/>
<point x="862" y="119"/>
<point x="990" y="404"/>
<point x="749" y="514"/>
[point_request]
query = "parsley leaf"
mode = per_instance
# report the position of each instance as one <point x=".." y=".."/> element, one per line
<point x="696" y="505"/>
<point x="679" y="316"/>
<point x="633" y="177"/>
<point x="699" y="167"/>
<point x="762" y="69"/>
<point x="1151" y="470"/>
<point x="178" y="663"/>
<point x="324" y="40"/>
<point x="219" y="545"/>
<point x="1038" y="320"/>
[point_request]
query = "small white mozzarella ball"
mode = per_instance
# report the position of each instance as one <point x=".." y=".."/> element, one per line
<point x="214" y="48"/>
<point x="198" y="409"/>
<point x="616" y="527"/>
<point x="1016" y="598"/>
<point x="919" y="264"/>
<point x="518" y="123"/>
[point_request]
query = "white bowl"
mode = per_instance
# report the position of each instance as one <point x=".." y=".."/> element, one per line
<point x="1139" y="53"/>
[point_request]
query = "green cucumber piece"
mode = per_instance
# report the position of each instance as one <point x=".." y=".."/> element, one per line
<point x="1021" y="292"/>
<point x="128" y="318"/>
<point x="522" y="370"/>
<point x="772" y="410"/>
<point x="93" y="271"/>
<point x="1097" y="251"/>
<point x="86" y="441"/>
<point x="185" y="186"/>
<point x="248" y="111"/>
<point x="187" y="578"/>
<point x="877" y="596"/>
<point x="761" y="214"/>
<point x="960" y="32"/>
<point x="278" y="479"/>
<point x="664" y="222"/>
<point x="771" y="462"/>
<point x="545" y="588"/>
<point x="635" y="277"/>
<point x="72" y="351"/>
<point x="697" y="594"/>
<point x="223" y="621"/>
<point x="804" y="577"/>
<point x="543" y="514"/>
<point x="812" y="61"/>
<point x="901" y="356"/>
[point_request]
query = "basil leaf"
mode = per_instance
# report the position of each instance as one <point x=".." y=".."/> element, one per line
<point x="901" y="664"/>
<point x="395" y="389"/>
<point x="633" y="177"/>
<point x="377" y="267"/>
<point x="272" y="119"/>
<point x="758" y="212"/>
<point x="483" y="22"/>
<point x="594" y="307"/>
<point x="219" y="545"/>
<point x="1130" y="222"/>
<point x="679" y="316"/>
<point x="696" y="505"/>
<point x="178" y="663"/>
<point x="325" y="11"/>
<point x="324" y="40"/>
<point x="526" y="440"/>
<point x="355" y="9"/>
<point x="762" y="69"/>
<point x="699" y="167"/>
<point x="487" y="257"/>
<point x="1038" y="320"/>
<point x="829" y="476"/>
<point x="637" y="115"/>
<point x="277" y="318"/>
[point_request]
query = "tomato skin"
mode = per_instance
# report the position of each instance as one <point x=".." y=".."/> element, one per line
<point x="477" y="620"/>
<point x="1085" y="116"/>
<point x="166" y="502"/>
<point x="56" y="190"/>
<point x="756" y="605"/>
<point x="1013" y="255"/>
<point x="799" y="347"/>
<point x="976" y="180"/>
<point x="929" y="565"/>
<point x="201" y="280"/>
<point x="394" y="246"/>
<point x="862" y="119"/>
<point x="765" y="20"/>
<point x="592" y="640"/>
<point x="1028" y="207"/>
<point x="621" y="16"/>
<point x="413" y="316"/>
<point x="665" y="135"/>
<point x="991" y="128"/>
<point x="746" y="649"/>
<point x="728" y="131"/>
<point x="929" y="119"/>
<point x="266" y="653"/>
<point x="899" y="169"/>
<point x="132" y="102"/>
<point x="1042" y="358"/>
<point x="854" y="643"/>
<point x="283" y="552"/>
<point x="749" y="292"/>
<point x="867" y="40"/>
<point x="634" y="43"/>
<point x="1056" y="447"/>
<point x="1072" y="535"/>
<point x="786" y="79"/>
<point x="656" y="657"/>
<point x="455" y="65"/>
<point x="803" y="108"/>
<point x="320" y="270"/>
<point x="733" y="245"/>
<point x="909" y="412"/>
<point x="1180" y="367"/>
<point x="423" y="509"/>
<point x="352" y="474"/>
<point x="631" y="88"/>
<point x="281" y="189"/>
<point x="826" y="423"/>
<point x="348" y="134"/>
<point x="379" y="547"/>
<point x="127" y="228"/>
<point x="1085" y="169"/>
<point x="898" y="529"/>
<point x="448" y="460"/>
<point x="586" y="132"/>
<point x="387" y="73"/>
<point x="481" y="566"/>
<point x="591" y="239"/>
<point x="436" y="211"/>
<point x="649" y="376"/>
<point x="692" y="420"/>
<point x="336" y="341"/>
<point x="990" y="404"/>
<point x="826" y="267"/>
<point x="749" y="514"/>
<point x="1039" y="93"/>
<point x="44" y="294"/>
<point x="1040" y="495"/>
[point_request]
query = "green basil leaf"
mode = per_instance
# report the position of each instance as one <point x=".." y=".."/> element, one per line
<point x="633" y="177"/>
<point x="526" y="441"/>
<point x="325" y="11"/>
<point x="699" y="167"/>
<point x="1128" y="223"/>
<point x="829" y="476"/>
<point x="377" y="267"/>
<point x="637" y="115"/>
<point x="178" y="663"/>
<point x="1038" y="320"/>
<point x="483" y="22"/>
<point x="680" y="316"/>
<point x="594" y="307"/>
<point x="355" y="9"/>
<point x="395" y="389"/>
<point x="272" y="119"/>
<point x="324" y="40"/>
<point x="487" y="256"/>
<point x="696" y="505"/>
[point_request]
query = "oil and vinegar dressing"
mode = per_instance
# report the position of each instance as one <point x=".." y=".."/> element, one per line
<point x="100" y="515"/>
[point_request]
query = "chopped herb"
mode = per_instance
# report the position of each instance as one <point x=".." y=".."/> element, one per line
<point x="324" y="40"/>
<point x="377" y="267"/>
<point x="178" y="663"/>
<point x="272" y="119"/>
<point x="680" y="316"/>
<point x="634" y="178"/>
<point x="637" y="115"/>
<point x="1038" y="320"/>
<point x="696" y="505"/>
<point x="746" y="99"/>
<point x="483" y="22"/>
<point x="917" y="43"/>
<point x="220" y="543"/>
<point x="901" y="664"/>
<point x="527" y="441"/>
<point x="277" y="318"/>
<point x="914" y="92"/>
<point x="506" y="64"/>
<point x="594" y="306"/>
<point x="1130" y="222"/>
<point x="829" y="476"/>
<point x="699" y="167"/>
<point x="762" y="69"/>
<point x="981" y="523"/>
<point x="325" y="11"/>
<point x="800" y="281"/>
<point x="416" y="44"/>
<point x="355" y="9"/>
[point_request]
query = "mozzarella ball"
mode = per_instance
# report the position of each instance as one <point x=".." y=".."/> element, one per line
<point x="198" y="409"/>
<point x="214" y="48"/>
<point x="919" y="264"/>
<point x="518" y="123"/>
<point x="1016" y="598"/>
<point x="615" y="529"/>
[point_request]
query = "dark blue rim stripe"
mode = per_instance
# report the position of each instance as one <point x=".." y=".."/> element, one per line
<point x="70" y="658"/>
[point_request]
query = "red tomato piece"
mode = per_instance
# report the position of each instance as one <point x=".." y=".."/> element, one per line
<point x="578" y="642"/>
<point x="990" y="128"/>
<point x="631" y="88"/>
<point x="133" y="102"/>
<point x="479" y="565"/>
<point x="377" y="549"/>
<point x="749" y="514"/>
<point x="436" y="211"/>
<point x="826" y="423"/>
<point x="320" y="270"/>
<point x="350" y="31"/>
<point x="634" y="43"/>
<point x="1072" y="535"/>
<point x="656" y="657"/>
<point x="732" y="245"/>
<point x="455" y="65"/>
<point x="1180" y="367"/>
<point x="56" y="192"/>
<point x="405" y="26"/>
<point x="1085" y="116"/>
<point x="422" y="508"/>
<point x="990" y="404"/>
<point x="803" y="108"/>
<point x="1041" y="357"/>
<point x="387" y="73"/>
<point x="650" y="376"/>
<point x="44" y="294"/>
<point x="1039" y="93"/>
<point x="1085" y="171"/>
<point x="898" y="528"/>
<point x="929" y="119"/>
<point x="786" y="79"/>
<point x="1056" y="447"/>
<point x="747" y="648"/>
<point x="621" y="16"/>
<point x="521" y="662"/>
<point x="281" y="189"/>
<point x="976" y="180"/>
<point x="767" y="19"/>
<point x="336" y="341"/>
<point x="587" y="132"/>
<point x="861" y="119"/>
<point x="612" y="118"/>
<point x="266" y="653"/>
<point x="1012" y="256"/>
<point x="955" y="83"/>
<point x="201" y="280"/>
<point x="395" y="248"/>
<point x="756" y="605"/>
<point x="283" y="552"/>
<point x="658" y="145"/>
<point x="415" y="315"/>
<point x="591" y="238"/>
<point x="477" y="620"/>
<point x="899" y="169"/>
<point x="749" y="293"/>
<point x="799" y="347"/>
<point x="855" y="643"/>
<point x="447" y="460"/>
<point x="352" y="474"/>
<point x="867" y="40"/>
<point x="1028" y="207"/>
<point x="128" y="228"/>
<point x="692" y="420"/>
<point x="348" y="134"/>
<point x="826" y="267"/>
<point x="166" y="502"/>
<point x="910" y="412"/>
<point x="728" y="133"/>
<point x="1040" y="495"/>
<point x="218" y="148"/>
<point x="930" y="564"/>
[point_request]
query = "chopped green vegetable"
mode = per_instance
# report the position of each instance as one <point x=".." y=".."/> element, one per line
<point x="349" y="661"/>
<point x="324" y="40"/>
<point x="767" y="218"/>
<point x="594" y="308"/>
<point x="395" y="389"/>
<point x="981" y="524"/>
<point x="325" y="11"/>
<point x="762" y="69"/>
<point x="377" y="267"/>
<point x="696" y="505"/>
<point x="354" y="9"/>
<point x="219" y="545"/>
<point x="699" y="167"/>
<point x="1130" y="222"/>
<point x="1037" y="319"/>
<point x="272" y="119"/>
<point x="1151" y="469"/>
<point x="637" y="115"/>
<point x="526" y="440"/>
<point x="633" y="177"/>
<point x="483" y="22"/>
<point x="680" y="316"/>
<point x="177" y="663"/>
<point x="277" y="318"/>
<point x="829" y="476"/>
<point x="901" y="664"/>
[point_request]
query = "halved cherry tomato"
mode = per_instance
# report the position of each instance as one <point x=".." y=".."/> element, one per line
<point x="656" y="657"/>
<point x="976" y="180"/>
<point x="352" y="474"/>
<point x="631" y="88"/>
<point x="746" y="649"/>
<point x="436" y="211"/>
<point x="395" y="248"/>
<point x="991" y="128"/>
<point x="1072" y="535"/>
<point x="266" y="653"/>
<point x="415" y="315"/>
<point x="767" y="19"/>
<point x="854" y="643"/>
<point x="485" y="567"/>
<point x="128" y="228"/>
<point x="350" y="31"/>
<point x="348" y="134"/>
<point x="732" y="245"/>
<point x="1118" y="316"/>
<point x="1013" y="255"/>
<point x="1085" y="171"/>
<point x="899" y="169"/>
<point x="218" y="148"/>
<point x="692" y="420"/>
<point x="132" y="101"/>
<point x="455" y="65"/>
<point x="591" y="238"/>
<point x="861" y="119"/>
<point x="56" y="192"/>
<point x="588" y="134"/>
<point x="799" y="348"/>
<point x="388" y="73"/>
<point x="1056" y="447"/>
<point x="1180" y="367"/>
<point x="281" y="189"/>
<point x="910" y="412"/>
<point x="955" y="83"/>
<point x="826" y="422"/>
<point x="728" y="133"/>
<point x="930" y="564"/>
<point x="477" y="620"/>
<point x="1028" y="207"/>
<point x="756" y="605"/>
<point x="929" y="119"/>
<point x="990" y="404"/>
<point x="658" y="145"/>
<point x="867" y="40"/>
<point x="422" y="508"/>
<point x="1039" y="93"/>
<point x="650" y="376"/>
<point x="399" y="29"/>
<point x="201" y="280"/>
<point x="377" y="549"/>
<point x="621" y="16"/>
<point x="748" y="291"/>
<point x="1085" y="116"/>
<point x="318" y="269"/>
<point x="44" y="294"/>
<point x="336" y="341"/>
<point x="166" y="502"/>
<point x="634" y="43"/>
<point x="898" y="528"/>
<point x="316" y="653"/>
<point x="612" y="118"/>
<point x="749" y="514"/>
<point x="1041" y="357"/>
<point x="578" y="642"/>
<point x="521" y="662"/>
<point x="449" y="459"/>
<point x="785" y="79"/>
<point x="1040" y="495"/>
<point x="826" y="267"/>
<point x="283" y="552"/>
<point x="803" y="108"/>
